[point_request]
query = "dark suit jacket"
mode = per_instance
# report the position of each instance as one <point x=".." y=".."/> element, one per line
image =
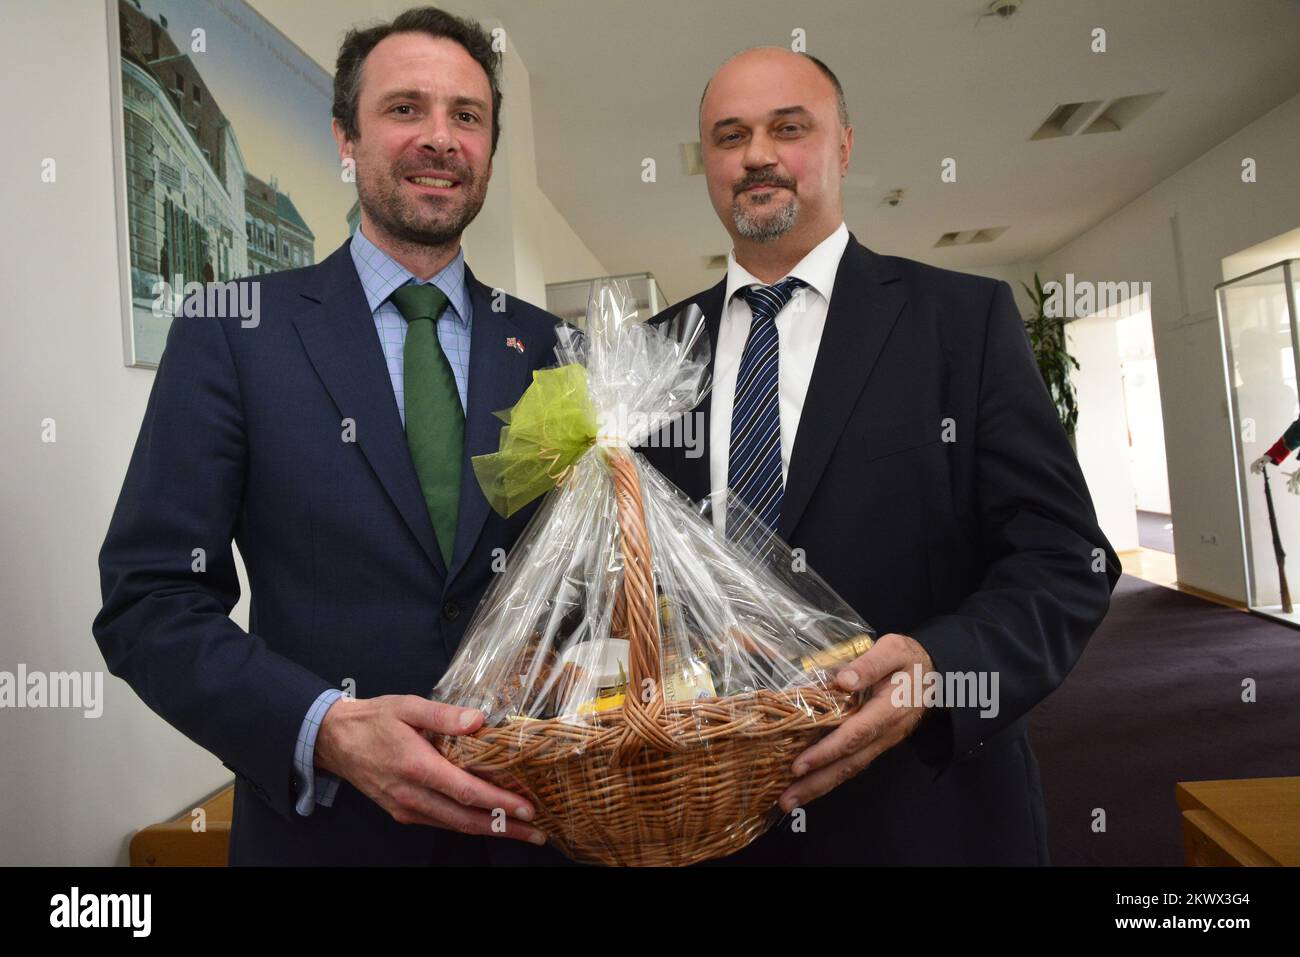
<point x="243" y="438"/>
<point x="985" y="549"/>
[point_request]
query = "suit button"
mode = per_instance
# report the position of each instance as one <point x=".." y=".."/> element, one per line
<point x="451" y="611"/>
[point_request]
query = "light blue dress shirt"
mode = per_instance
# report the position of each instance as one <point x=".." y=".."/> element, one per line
<point x="381" y="274"/>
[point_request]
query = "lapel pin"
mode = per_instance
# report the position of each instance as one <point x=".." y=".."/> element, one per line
<point x="515" y="343"/>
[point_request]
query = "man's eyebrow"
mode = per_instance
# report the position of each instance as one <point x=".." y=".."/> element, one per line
<point x="413" y="94"/>
<point x="469" y="101"/>
<point x="401" y="95"/>
<point x="780" y="111"/>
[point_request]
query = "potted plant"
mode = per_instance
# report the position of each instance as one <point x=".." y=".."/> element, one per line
<point x="1047" y="338"/>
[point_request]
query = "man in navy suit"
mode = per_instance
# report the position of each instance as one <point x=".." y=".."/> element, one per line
<point x="887" y="418"/>
<point x="331" y="439"/>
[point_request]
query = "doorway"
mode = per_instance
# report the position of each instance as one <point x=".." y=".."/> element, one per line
<point x="1120" y="436"/>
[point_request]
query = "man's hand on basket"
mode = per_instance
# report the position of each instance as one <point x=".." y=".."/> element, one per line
<point x="875" y="728"/>
<point x="378" y="745"/>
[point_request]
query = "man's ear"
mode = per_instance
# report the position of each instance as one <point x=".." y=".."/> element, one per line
<point x="341" y="138"/>
<point x="846" y="149"/>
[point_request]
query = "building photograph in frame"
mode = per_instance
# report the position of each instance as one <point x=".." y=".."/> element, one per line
<point x="225" y="165"/>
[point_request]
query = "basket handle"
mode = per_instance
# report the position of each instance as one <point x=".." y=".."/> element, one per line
<point x="640" y="611"/>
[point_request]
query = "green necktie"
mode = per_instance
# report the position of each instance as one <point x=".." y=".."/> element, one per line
<point x="435" y="421"/>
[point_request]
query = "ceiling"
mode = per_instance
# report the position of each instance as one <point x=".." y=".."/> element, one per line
<point x="616" y="81"/>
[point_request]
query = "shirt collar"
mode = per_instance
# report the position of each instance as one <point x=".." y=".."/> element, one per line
<point x="380" y="274"/>
<point x="817" y="269"/>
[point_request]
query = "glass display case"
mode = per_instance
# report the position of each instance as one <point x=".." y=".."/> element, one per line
<point x="1261" y="350"/>
<point x="568" y="300"/>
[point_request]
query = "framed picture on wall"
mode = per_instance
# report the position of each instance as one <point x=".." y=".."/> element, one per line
<point x="224" y="162"/>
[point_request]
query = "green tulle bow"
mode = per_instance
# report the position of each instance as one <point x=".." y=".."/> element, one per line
<point x="550" y="427"/>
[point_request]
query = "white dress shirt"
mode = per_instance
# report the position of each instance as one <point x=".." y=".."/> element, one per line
<point x="799" y="327"/>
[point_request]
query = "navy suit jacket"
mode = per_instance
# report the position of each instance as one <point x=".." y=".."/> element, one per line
<point x="244" y="438"/>
<point x="985" y="549"/>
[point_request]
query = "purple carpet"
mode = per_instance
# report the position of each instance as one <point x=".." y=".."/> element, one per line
<point x="1157" y="699"/>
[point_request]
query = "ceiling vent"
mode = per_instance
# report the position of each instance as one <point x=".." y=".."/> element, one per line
<point x="1095" y="116"/>
<point x="969" y="236"/>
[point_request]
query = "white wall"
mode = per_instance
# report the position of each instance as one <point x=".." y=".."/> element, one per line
<point x="1101" y="433"/>
<point x="1270" y="252"/>
<point x="1146" y="424"/>
<point x="1218" y="216"/>
<point x="520" y="241"/>
<point x="74" y="789"/>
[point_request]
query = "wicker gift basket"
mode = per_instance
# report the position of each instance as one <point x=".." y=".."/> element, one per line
<point x="647" y="682"/>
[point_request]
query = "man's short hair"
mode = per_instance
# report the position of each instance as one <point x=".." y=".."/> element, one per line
<point x="841" y="106"/>
<point x="427" y="20"/>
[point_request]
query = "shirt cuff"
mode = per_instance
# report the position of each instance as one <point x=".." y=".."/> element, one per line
<point x="313" y="786"/>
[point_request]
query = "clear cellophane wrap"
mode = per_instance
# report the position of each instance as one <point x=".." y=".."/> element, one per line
<point x="646" y="681"/>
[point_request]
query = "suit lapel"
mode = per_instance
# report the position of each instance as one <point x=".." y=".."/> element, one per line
<point x="498" y="376"/>
<point x="865" y="302"/>
<point x="695" y="479"/>
<point x="339" y="336"/>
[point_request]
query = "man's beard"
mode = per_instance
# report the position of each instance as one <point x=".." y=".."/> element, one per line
<point x="773" y="226"/>
<point x="422" y="220"/>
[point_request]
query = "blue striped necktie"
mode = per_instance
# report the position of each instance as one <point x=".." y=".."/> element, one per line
<point x="754" y="467"/>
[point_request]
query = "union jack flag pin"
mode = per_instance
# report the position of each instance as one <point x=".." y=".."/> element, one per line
<point x="514" y="343"/>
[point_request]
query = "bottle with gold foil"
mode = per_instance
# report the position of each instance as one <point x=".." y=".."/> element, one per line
<point x="837" y="655"/>
<point x="692" y="670"/>
<point x="735" y="664"/>
<point x="686" y="674"/>
<point x="746" y="669"/>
